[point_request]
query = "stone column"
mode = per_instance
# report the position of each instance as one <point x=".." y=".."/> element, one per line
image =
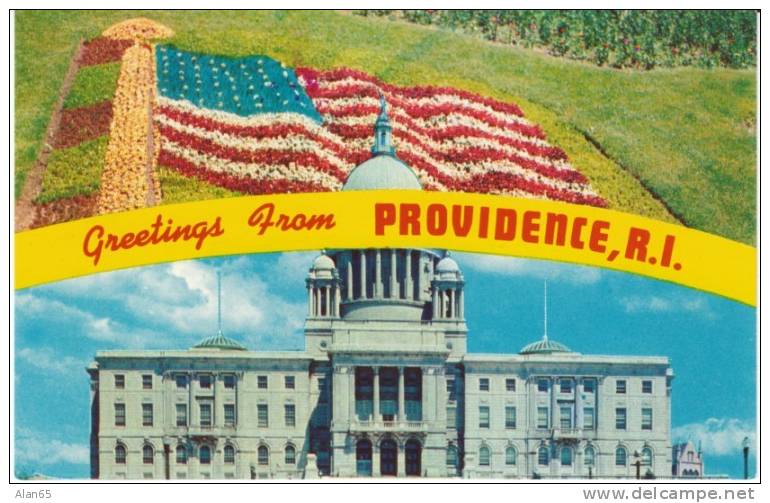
<point x="351" y="393"/>
<point x="328" y="300"/>
<point x="377" y="274"/>
<point x="554" y="404"/>
<point x="417" y="282"/>
<point x="451" y="301"/>
<point x="375" y="459"/>
<point x="408" y="292"/>
<point x="578" y="404"/>
<point x="337" y="294"/>
<point x="394" y="294"/>
<point x="363" y="273"/>
<point x="309" y="301"/>
<point x="401" y="409"/>
<point x="460" y="304"/>
<point x="317" y="301"/>
<point x="376" y="386"/>
<point x="401" y="457"/>
<point x="349" y="268"/>
<point x="435" y="304"/>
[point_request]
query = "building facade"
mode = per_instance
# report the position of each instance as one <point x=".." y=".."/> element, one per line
<point x="385" y="387"/>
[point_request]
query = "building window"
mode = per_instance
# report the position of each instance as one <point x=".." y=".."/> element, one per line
<point x="484" y="456"/>
<point x="148" y="455"/>
<point x="451" y="456"/>
<point x="589" y="385"/>
<point x="288" y="382"/>
<point x="542" y="418"/>
<point x="120" y="454"/>
<point x="262" y="415"/>
<point x="451" y="418"/>
<point x="290" y="455"/>
<point x="147" y="381"/>
<point x="510" y="385"/>
<point x="204" y="381"/>
<point x="647" y="457"/>
<point x="510" y="417"/>
<point x="451" y="388"/>
<point x="589" y="456"/>
<point x="289" y="412"/>
<point x="542" y="456"/>
<point x="181" y="455"/>
<point x="647" y="387"/>
<point x="204" y="455"/>
<point x="620" y="418"/>
<point x="229" y="381"/>
<point x="120" y="414"/>
<point x="542" y="385"/>
<point x="181" y="414"/>
<point x="483" y="384"/>
<point x="620" y="387"/>
<point x="120" y="381"/>
<point x="229" y="414"/>
<point x="205" y="410"/>
<point x="261" y="382"/>
<point x="565" y="417"/>
<point x="263" y="455"/>
<point x="620" y="456"/>
<point x="588" y="418"/>
<point x="483" y="416"/>
<point x="566" y="456"/>
<point x="565" y="385"/>
<point x="510" y="456"/>
<point x="229" y="454"/>
<point x="647" y="419"/>
<point x="181" y="381"/>
<point x="146" y="414"/>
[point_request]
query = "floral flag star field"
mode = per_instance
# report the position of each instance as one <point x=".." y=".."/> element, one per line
<point x="255" y="126"/>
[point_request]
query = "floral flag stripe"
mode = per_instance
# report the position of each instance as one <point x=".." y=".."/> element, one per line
<point x="247" y="123"/>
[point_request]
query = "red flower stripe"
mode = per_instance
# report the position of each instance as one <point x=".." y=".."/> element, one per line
<point x="244" y="185"/>
<point x="102" y="50"/>
<point x="261" y="156"/>
<point x="312" y="76"/>
<point x="82" y="124"/>
<point x="428" y="112"/>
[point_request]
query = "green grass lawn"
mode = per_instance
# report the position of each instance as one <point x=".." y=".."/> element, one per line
<point x="687" y="134"/>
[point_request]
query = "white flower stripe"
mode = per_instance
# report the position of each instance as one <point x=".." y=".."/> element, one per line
<point x="253" y="170"/>
<point x="294" y="143"/>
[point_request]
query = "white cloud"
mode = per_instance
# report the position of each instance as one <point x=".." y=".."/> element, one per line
<point x="718" y="437"/>
<point x="45" y="359"/>
<point x="541" y="269"/>
<point x="658" y="304"/>
<point x="35" y="449"/>
<point x="177" y="303"/>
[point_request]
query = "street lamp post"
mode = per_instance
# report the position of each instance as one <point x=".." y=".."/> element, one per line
<point x="745" y="458"/>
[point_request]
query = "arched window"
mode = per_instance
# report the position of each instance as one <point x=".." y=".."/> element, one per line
<point x="148" y="454"/>
<point x="566" y="456"/>
<point x="181" y="454"/>
<point x="484" y="456"/>
<point x="451" y="456"/>
<point x="542" y="456"/>
<point x="647" y="457"/>
<point x="290" y="455"/>
<point x="510" y="455"/>
<point x="204" y="456"/>
<point x="589" y="456"/>
<point x="120" y="454"/>
<point x="263" y="455"/>
<point x="620" y="456"/>
<point x="229" y="454"/>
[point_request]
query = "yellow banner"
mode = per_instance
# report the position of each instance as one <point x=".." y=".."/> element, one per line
<point x="389" y="219"/>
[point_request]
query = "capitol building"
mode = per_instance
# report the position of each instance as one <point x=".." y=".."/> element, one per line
<point x="384" y="388"/>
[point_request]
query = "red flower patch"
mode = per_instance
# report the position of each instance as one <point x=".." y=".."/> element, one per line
<point x="83" y="124"/>
<point x="102" y="50"/>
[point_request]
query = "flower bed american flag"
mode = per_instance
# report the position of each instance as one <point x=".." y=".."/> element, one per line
<point x="254" y="126"/>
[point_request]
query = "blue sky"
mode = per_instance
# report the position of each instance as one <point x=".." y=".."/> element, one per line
<point x="711" y="341"/>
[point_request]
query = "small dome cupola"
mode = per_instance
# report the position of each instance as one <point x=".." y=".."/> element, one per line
<point x="219" y="341"/>
<point x="323" y="286"/>
<point x="384" y="171"/>
<point x="383" y="132"/>
<point x="448" y="302"/>
<point x="545" y="345"/>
